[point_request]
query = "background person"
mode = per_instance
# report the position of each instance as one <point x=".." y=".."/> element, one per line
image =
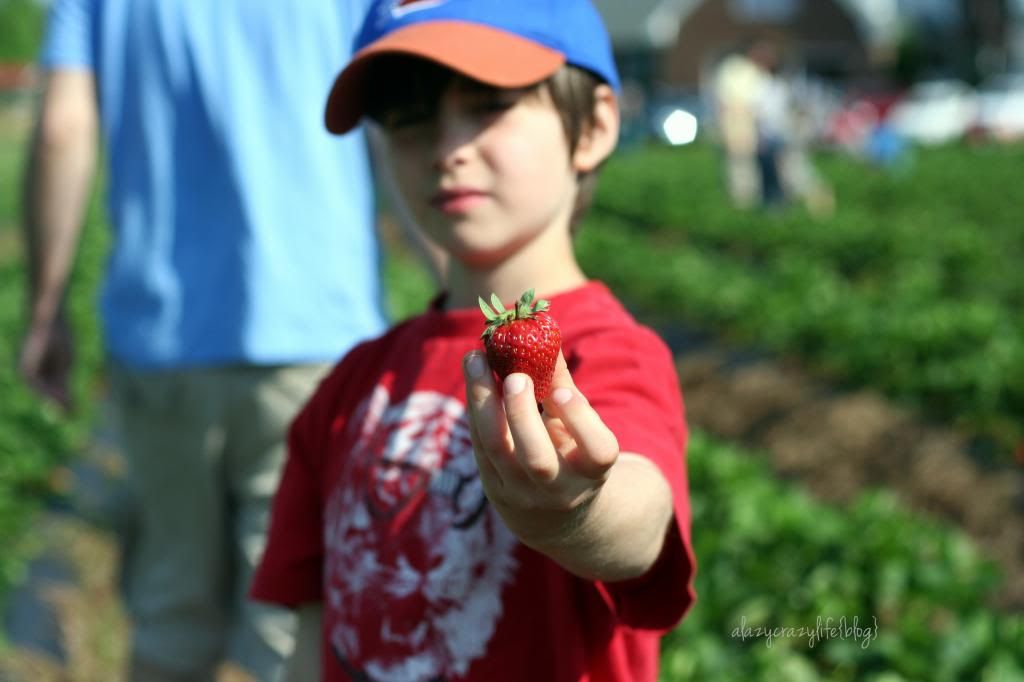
<point x="751" y="108"/>
<point x="243" y="261"/>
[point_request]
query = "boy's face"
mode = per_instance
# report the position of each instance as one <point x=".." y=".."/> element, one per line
<point x="484" y="170"/>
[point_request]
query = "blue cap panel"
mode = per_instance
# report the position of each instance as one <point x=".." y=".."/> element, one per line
<point x="572" y="27"/>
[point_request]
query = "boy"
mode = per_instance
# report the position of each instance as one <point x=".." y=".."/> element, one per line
<point x="433" y="525"/>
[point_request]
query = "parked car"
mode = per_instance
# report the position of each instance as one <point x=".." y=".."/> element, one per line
<point x="1000" y="113"/>
<point x="935" y="112"/>
<point x="850" y="124"/>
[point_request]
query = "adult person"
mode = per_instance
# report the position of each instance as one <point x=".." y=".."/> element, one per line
<point x="243" y="263"/>
<point x="751" y="104"/>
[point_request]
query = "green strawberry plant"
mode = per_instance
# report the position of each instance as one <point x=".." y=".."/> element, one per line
<point x="770" y="556"/>
<point x="911" y="287"/>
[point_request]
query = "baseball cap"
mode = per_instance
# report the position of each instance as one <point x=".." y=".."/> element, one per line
<point x="504" y="43"/>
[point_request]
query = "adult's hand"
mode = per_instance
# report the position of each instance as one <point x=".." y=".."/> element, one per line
<point x="46" y="359"/>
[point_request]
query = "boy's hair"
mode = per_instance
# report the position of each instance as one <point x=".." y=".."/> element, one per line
<point x="400" y="86"/>
<point x="572" y="90"/>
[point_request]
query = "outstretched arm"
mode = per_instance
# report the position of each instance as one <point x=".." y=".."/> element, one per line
<point x="61" y="165"/>
<point x="559" y="480"/>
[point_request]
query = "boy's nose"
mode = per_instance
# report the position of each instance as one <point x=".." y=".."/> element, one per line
<point x="454" y="135"/>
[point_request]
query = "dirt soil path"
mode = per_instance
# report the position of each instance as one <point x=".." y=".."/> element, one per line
<point x="837" y="444"/>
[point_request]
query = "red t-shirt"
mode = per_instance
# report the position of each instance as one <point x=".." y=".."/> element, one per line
<point x="381" y="516"/>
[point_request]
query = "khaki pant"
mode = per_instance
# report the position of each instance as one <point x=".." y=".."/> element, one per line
<point x="204" y="450"/>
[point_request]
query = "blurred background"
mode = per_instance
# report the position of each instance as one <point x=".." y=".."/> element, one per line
<point x="941" y="69"/>
<point x="814" y="203"/>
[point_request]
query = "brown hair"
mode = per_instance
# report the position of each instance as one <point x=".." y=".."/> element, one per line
<point x="572" y="90"/>
<point x="400" y="85"/>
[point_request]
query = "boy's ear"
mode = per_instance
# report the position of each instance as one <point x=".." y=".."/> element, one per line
<point x="599" y="139"/>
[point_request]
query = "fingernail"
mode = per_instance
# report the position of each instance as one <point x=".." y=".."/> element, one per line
<point x="560" y="396"/>
<point x="515" y="383"/>
<point x="475" y="366"/>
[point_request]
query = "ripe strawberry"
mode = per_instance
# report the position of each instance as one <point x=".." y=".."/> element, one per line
<point x="525" y="339"/>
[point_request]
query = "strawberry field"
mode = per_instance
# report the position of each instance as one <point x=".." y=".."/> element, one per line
<point x="791" y="589"/>
<point x="911" y="288"/>
<point x="914" y="285"/>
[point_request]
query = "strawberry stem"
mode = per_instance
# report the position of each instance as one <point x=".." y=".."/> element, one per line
<point x="497" y="315"/>
<point x="488" y="313"/>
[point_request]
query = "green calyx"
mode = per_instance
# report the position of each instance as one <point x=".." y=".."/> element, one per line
<point x="497" y="314"/>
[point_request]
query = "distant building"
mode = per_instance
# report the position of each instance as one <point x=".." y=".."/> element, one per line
<point x="990" y="28"/>
<point x="819" y="35"/>
<point x="671" y="43"/>
<point x="1015" y="37"/>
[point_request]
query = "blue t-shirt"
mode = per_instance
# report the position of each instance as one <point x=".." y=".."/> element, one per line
<point x="243" y="231"/>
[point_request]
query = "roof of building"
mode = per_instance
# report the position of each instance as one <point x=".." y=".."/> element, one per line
<point x="655" y="23"/>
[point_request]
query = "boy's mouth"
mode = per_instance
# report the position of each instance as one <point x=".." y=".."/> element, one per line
<point x="456" y="201"/>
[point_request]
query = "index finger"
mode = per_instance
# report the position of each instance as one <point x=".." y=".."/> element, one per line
<point x="597" y="446"/>
<point x="485" y="406"/>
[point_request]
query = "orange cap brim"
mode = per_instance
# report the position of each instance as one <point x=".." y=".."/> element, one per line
<point x="485" y="54"/>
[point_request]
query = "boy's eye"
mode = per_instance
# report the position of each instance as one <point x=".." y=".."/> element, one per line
<point x="398" y="119"/>
<point x="484" y="103"/>
<point x="493" y="101"/>
<point x="496" y="102"/>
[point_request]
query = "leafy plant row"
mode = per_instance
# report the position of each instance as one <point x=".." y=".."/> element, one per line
<point x="34" y="437"/>
<point x="904" y="289"/>
<point x="791" y="589"/>
<point x="951" y="214"/>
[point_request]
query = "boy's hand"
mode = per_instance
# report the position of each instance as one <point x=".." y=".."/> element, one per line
<point x="539" y="471"/>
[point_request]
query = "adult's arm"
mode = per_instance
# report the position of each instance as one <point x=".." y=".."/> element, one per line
<point x="58" y="180"/>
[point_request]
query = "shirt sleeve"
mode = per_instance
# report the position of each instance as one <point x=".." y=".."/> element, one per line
<point x="290" y="572"/>
<point x="629" y="378"/>
<point x="68" y="42"/>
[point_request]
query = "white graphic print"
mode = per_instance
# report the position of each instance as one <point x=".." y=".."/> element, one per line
<point x="399" y="8"/>
<point x="416" y="558"/>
